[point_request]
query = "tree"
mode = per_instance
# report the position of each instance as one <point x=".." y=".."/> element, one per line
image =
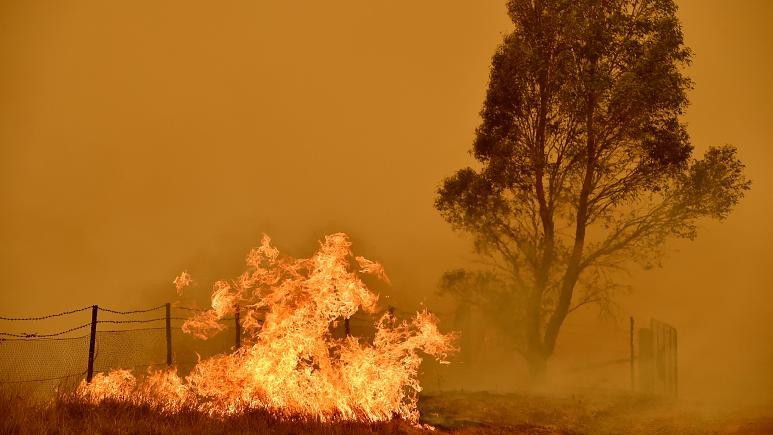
<point x="585" y="166"/>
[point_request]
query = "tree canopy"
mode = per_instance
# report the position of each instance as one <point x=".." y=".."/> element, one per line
<point x="584" y="166"/>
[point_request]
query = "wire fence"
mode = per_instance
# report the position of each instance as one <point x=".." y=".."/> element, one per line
<point x="40" y="361"/>
<point x="42" y="354"/>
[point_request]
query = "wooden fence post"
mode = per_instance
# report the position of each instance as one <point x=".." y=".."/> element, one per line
<point x="92" y="343"/>
<point x="238" y="327"/>
<point x="168" y="334"/>
<point x="346" y="327"/>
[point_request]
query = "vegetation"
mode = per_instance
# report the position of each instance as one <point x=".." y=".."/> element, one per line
<point x="65" y="416"/>
<point x="585" y="165"/>
<point x="595" y="412"/>
<point x="457" y="413"/>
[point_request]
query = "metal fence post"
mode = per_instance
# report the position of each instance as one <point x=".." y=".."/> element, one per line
<point x="238" y="327"/>
<point x="92" y="343"/>
<point x="168" y="334"/>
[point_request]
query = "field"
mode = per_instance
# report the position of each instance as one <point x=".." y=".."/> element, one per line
<point x="462" y="413"/>
<point x="596" y="413"/>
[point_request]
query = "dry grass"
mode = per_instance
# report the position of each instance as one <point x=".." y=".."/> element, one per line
<point x="459" y="413"/>
<point x="65" y="417"/>
<point x="597" y="413"/>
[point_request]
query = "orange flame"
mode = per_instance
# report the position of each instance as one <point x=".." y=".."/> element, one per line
<point x="291" y="364"/>
<point x="182" y="281"/>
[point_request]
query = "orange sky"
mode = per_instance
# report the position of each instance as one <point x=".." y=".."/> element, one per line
<point x="138" y="139"/>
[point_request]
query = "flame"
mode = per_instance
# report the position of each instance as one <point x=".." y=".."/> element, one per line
<point x="290" y="364"/>
<point x="182" y="281"/>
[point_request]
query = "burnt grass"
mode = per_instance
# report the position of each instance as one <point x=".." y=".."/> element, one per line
<point x="458" y="413"/>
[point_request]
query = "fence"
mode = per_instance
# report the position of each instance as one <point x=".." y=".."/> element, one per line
<point x="104" y="339"/>
<point x="658" y="368"/>
<point x="112" y="339"/>
<point x="591" y="355"/>
<point x="653" y="367"/>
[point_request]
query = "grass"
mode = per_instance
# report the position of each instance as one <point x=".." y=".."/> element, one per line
<point x="63" y="416"/>
<point x="116" y="418"/>
<point x="458" y="413"/>
<point x="601" y="413"/>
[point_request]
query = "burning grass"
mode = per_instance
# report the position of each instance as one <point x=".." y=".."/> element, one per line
<point x="456" y="413"/>
<point x="65" y="416"/>
<point x="290" y="365"/>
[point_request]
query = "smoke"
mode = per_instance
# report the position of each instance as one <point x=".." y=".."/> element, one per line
<point x="136" y="146"/>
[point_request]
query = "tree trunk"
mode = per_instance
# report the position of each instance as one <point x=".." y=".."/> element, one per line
<point x="537" y="362"/>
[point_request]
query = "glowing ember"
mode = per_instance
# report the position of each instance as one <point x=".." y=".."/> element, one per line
<point x="290" y="364"/>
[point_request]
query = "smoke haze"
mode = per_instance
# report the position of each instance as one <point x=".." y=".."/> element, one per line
<point x="140" y="139"/>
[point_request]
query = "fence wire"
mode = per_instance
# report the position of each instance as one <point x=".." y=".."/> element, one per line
<point x="39" y="363"/>
<point x="64" y="313"/>
<point x="33" y="335"/>
<point x="129" y="348"/>
<point x="36" y="368"/>
<point x="132" y="311"/>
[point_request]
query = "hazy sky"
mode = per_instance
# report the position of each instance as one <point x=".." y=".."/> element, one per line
<point x="142" y="138"/>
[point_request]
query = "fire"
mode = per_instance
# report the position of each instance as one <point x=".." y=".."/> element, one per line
<point x="290" y="364"/>
<point x="182" y="281"/>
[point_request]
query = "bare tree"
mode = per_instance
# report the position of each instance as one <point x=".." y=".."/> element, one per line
<point x="585" y="165"/>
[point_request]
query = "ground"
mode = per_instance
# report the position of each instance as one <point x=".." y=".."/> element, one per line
<point x="589" y="413"/>
<point x="458" y="413"/>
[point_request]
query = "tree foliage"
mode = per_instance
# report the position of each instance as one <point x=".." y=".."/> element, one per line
<point x="585" y="165"/>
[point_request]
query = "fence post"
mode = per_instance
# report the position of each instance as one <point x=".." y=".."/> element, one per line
<point x="346" y="327"/>
<point x="238" y="328"/>
<point x="92" y="343"/>
<point x="676" y="365"/>
<point x="646" y="363"/>
<point x="168" y="334"/>
<point x="630" y="336"/>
